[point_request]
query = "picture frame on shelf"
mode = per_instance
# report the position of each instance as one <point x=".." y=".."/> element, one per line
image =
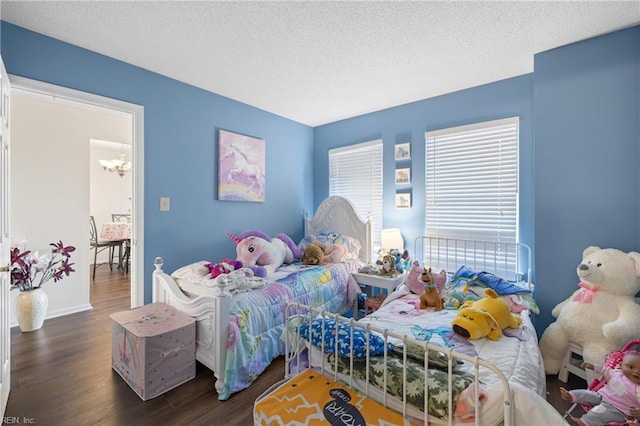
<point x="403" y="176"/>
<point x="403" y="200"/>
<point x="403" y="151"/>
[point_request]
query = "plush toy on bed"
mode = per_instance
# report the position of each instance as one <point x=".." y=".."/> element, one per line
<point x="264" y="254"/>
<point x="601" y="315"/>
<point x="313" y="255"/>
<point x="430" y="296"/>
<point x="416" y="285"/>
<point x="455" y="298"/>
<point x="225" y="266"/>
<point x="486" y="317"/>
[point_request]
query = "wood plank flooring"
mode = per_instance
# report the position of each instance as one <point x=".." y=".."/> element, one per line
<point x="61" y="375"/>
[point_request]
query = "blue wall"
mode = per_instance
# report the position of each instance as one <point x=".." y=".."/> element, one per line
<point x="587" y="190"/>
<point x="579" y="151"/>
<point x="181" y="123"/>
<point x="408" y="123"/>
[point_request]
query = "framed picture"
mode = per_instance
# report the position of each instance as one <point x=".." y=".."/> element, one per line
<point x="403" y="176"/>
<point x="403" y="200"/>
<point x="241" y="167"/>
<point x="403" y="151"/>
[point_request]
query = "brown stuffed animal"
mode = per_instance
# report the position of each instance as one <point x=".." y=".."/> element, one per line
<point x="388" y="268"/>
<point x="430" y="296"/>
<point x="313" y="255"/>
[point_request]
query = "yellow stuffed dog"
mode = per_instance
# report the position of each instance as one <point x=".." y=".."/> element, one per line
<point x="486" y="317"/>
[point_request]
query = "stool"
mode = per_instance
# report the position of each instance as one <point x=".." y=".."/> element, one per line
<point x="571" y="363"/>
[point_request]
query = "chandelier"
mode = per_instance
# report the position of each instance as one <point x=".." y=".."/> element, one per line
<point x="119" y="166"/>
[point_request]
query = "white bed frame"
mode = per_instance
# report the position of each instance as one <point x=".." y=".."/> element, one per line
<point x="335" y="214"/>
<point x="400" y="405"/>
<point x="512" y="261"/>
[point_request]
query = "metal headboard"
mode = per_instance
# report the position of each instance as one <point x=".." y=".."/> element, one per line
<point x="511" y="261"/>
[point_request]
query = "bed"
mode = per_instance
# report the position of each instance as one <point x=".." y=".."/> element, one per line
<point x="483" y="381"/>
<point x="238" y="333"/>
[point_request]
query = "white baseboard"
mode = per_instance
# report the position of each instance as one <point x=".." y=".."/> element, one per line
<point x="60" y="312"/>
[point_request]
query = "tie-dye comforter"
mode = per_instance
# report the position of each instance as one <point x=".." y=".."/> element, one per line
<point x="257" y="317"/>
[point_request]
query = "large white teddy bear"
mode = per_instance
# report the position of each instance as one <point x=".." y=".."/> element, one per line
<point x="602" y="315"/>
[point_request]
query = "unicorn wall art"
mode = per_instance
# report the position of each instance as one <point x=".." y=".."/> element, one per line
<point x="241" y="167"/>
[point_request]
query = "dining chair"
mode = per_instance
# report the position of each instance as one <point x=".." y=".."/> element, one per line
<point x="98" y="245"/>
<point x="123" y="256"/>
<point x="121" y="217"/>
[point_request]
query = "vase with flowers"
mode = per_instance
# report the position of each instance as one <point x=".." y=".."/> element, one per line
<point x="29" y="272"/>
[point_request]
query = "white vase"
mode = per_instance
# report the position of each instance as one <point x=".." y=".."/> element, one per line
<point x="31" y="308"/>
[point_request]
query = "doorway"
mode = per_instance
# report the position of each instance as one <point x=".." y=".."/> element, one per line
<point x="100" y="105"/>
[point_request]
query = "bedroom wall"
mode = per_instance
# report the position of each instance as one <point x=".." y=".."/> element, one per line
<point x="579" y="150"/>
<point x="587" y="147"/>
<point x="408" y="123"/>
<point x="181" y="122"/>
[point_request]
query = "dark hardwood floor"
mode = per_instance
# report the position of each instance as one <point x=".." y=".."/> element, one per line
<point x="61" y="375"/>
<point x="553" y="393"/>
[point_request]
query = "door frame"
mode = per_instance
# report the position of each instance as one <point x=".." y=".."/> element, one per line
<point x="137" y="158"/>
<point x="5" y="242"/>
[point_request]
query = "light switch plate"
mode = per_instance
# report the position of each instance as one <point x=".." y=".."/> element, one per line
<point x="165" y="203"/>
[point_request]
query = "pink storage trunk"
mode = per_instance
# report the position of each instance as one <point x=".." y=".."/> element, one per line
<point x="153" y="348"/>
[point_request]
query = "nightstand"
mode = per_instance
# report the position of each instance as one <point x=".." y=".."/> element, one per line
<point x="377" y="281"/>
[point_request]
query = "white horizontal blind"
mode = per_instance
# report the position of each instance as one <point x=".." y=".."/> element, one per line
<point x="355" y="172"/>
<point x="471" y="181"/>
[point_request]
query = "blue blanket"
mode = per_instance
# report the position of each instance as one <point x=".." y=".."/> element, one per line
<point x="486" y="279"/>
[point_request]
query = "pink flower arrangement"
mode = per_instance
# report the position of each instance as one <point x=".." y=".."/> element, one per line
<point x="30" y="271"/>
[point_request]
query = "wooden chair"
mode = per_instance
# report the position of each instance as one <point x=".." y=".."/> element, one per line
<point x="123" y="256"/>
<point x="98" y="245"/>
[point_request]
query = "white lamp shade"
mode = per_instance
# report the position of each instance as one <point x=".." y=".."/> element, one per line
<point x="106" y="164"/>
<point x="391" y="238"/>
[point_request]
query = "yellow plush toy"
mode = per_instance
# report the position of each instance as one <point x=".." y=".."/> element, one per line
<point x="486" y="317"/>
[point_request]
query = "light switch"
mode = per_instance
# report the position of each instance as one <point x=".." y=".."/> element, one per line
<point x="164" y="204"/>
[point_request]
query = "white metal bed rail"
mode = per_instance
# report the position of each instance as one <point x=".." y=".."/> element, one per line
<point x="511" y="261"/>
<point x="293" y="350"/>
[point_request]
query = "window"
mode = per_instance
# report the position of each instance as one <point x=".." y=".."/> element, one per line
<point x="471" y="181"/>
<point x="355" y="172"/>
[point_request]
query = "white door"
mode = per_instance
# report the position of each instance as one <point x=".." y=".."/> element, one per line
<point x="5" y="242"/>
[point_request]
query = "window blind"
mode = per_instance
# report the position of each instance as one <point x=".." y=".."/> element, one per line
<point x="471" y="181"/>
<point x="355" y="172"/>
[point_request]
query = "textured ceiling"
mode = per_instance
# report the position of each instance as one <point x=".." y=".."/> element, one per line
<point x="318" y="62"/>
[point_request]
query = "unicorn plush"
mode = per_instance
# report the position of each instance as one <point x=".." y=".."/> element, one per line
<point x="264" y="254"/>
